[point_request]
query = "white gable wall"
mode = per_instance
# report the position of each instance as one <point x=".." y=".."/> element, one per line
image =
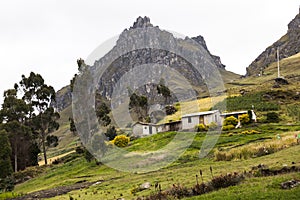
<point x="215" y="117"/>
<point x="186" y="124"/>
<point x="146" y="130"/>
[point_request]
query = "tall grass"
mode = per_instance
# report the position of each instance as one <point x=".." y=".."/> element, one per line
<point x="255" y="150"/>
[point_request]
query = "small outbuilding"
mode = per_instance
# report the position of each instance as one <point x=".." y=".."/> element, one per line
<point x="234" y="114"/>
<point x="189" y="121"/>
<point x="144" y="129"/>
<point x="170" y="126"/>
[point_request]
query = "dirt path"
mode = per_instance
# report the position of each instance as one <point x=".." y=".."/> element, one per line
<point x="50" y="160"/>
<point x="55" y="191"/>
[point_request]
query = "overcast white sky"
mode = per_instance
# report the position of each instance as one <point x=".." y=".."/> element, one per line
<point x="48" y="36"/>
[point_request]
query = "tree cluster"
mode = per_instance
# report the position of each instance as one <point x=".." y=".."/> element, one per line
<point x="26" y="119"/>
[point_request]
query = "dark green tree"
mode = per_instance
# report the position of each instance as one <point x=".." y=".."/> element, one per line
<point x="138" y="104"/>
<point x="111" y="133"/>
<point x="14" y="115"/>
<point x="102" y="112"/>
<point x="272" y="117"/>
<point x="20" y="138"/>
<point x="250" y="115"/>
<point x="51" y="140"/>
<point x="170" y="109"/>
<point x="44" y="124"/>
<point x="5" y="153"/>
<point x="14" y="108"/>
<point x="164" y="91"/>
<point x="72" y="126"/>
<point x="6" y="178"/>
<point x="42" y="116"/>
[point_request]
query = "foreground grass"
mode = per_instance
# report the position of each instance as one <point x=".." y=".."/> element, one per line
<point x="114" y="184"/>
<point x="256" y="188"/>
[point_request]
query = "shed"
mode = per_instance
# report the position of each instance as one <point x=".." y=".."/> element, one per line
<point x="144" y="129"/>
<point x="170" y="126"/>
<point x="235" y="114"/>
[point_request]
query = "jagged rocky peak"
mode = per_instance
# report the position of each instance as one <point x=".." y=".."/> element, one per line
<point x="201" y="41"/>
<point x="125" y="63"/>
<point x="216" y="59"/>
<point x="142" y="22"/>
<point x="294" y="25"/>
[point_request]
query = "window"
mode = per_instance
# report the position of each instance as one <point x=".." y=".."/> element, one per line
<point x="145" y="127"/>
<point x="189" y="119"/>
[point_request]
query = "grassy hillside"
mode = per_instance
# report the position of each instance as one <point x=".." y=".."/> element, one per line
<point x="67" y="140"/>
<point x="289" y="69"/>
<point x="113" y="184"/>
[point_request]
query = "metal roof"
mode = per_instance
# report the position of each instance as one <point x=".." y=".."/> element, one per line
<point x="200" y="113"/>
<point x="234" y="113"/>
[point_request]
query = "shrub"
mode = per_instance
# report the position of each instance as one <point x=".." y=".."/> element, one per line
<point x="79" y="150"/>
<point x="244" y="119"/>
<point x="111" y="133"/>
<point x="121" y="141"/>
<point x="230" y="121"/>
<point x="51" y="141"/>
<point x="250" y="115"/>
<point x="227" y="127"/>
<point x="200" y="127"/>
<point x="213" y="126"/>
<point x="272" y="117"/>
<point x="227" y="180"/>
<point x="7" y="184"/>
<point x="88" y="156"/>
<point x="250" y="132"/>
<point x="170" y="110"/>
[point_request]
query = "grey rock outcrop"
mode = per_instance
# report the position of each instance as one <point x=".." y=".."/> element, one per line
<point x="217" y="59"/>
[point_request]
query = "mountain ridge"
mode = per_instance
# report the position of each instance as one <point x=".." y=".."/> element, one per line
<point x="288" y="45"/>
<point x="137" y="57"/>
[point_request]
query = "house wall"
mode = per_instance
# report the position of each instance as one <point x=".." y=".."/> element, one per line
<point x="195" y="120"/>
<point x="143" y="130"/>
<point x="186" y="125"/>
<point x="215" y="117"/>
<point x="137" y="130"/>
<point x="146" y="130"/>
<point x="169" y="127"/>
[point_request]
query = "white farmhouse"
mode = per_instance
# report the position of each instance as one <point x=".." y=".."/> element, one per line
<point x="189" y="121"/>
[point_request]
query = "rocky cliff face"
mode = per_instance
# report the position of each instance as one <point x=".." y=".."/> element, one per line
<point x="288" y="45"/>
<point x="130" y="60"/>
<point x="155" y="56"/>
<point x="63" y="99"/>
<point x="216" y="59"/>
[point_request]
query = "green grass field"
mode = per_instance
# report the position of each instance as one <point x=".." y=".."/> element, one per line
<point x="115" y="184"/>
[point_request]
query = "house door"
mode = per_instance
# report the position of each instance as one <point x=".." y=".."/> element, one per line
<point x="201" y="119"/>
<point x="150" y="129"/>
